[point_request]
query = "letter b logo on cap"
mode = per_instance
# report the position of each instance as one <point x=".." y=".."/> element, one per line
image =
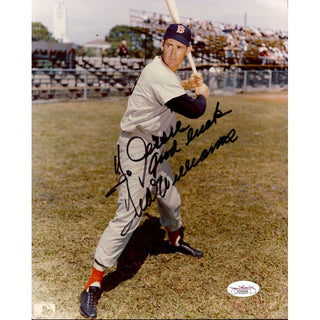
<point x="181" y="28"/>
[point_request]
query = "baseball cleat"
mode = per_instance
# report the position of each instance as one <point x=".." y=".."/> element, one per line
<point x="89" y="300"/>
<point x="185" y="247"/>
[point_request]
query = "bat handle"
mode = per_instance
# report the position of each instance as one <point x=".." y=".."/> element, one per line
<point x="191" y="62"/>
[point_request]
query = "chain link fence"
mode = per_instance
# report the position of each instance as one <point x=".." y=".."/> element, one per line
<point x="57" y="84"/>
<point x="236" y="81"/>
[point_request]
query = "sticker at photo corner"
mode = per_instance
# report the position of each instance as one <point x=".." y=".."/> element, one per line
<point x="243" y="289"/>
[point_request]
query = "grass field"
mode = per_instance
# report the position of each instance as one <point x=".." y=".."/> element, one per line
<point x="234" y="208"/>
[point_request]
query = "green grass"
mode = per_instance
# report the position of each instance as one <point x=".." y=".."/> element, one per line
<point x="234" y="207"/>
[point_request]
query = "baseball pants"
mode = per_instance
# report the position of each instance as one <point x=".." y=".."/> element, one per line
<point x="133" y="194"/>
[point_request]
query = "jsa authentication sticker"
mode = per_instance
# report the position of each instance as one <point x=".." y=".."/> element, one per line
<point x="243" y="289"/>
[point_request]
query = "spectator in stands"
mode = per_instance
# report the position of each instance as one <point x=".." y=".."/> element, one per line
<point x="145" y="18"/>
<point x="243" y="47"/>
<point x="190" y="23"/>
<point x="199" y="41"/>
<point x="154" y="18"/>
<point x="167" y="19"/>
<point x="229" y="54"/>
<point x="231" y="40"/>
<point x="284" y="52"/>
<point x="161" y="20"/>
<point x="123" y="51"/>
<point x="230" y="48"/>
<point x="278" y="56"/>
<point x="264" y="54"/>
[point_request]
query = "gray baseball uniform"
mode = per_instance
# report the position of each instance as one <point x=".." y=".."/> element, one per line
<point x="146" y="115"/>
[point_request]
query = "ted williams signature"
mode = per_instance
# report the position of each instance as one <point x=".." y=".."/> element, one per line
<point x="159" y="185"/>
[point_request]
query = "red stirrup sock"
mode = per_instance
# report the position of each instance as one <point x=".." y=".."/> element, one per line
<point x="95" y="278"/>
<point x="174" y="237"/>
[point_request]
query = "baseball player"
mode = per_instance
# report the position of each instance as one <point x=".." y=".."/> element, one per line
<point x="157" y="96"/>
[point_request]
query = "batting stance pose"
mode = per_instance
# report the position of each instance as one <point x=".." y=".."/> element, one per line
<point x="143" y="170"/>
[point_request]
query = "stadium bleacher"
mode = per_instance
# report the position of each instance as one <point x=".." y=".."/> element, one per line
<point x="216" y="36"/>
<point x="215" y="44"/>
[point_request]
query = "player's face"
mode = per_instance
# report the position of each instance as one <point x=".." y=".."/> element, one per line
<point x="173" y="53"/>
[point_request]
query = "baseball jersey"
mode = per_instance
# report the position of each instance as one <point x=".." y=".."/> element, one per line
<point x="146" y="110"/>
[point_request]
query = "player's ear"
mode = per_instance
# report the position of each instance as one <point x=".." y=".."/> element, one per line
<point x="162" y="45"/>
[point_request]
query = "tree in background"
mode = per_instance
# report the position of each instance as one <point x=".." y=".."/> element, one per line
<point x="139" y="42"/>
<point x="40" y="32"/>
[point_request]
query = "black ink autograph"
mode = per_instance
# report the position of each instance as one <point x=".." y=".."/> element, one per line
<point x="184" y="169"/>
<point x="216" y="115"/>
<point x="158" y="186"/>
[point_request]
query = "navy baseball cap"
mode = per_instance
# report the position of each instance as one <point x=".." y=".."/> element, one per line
<point x="179" y="32"/>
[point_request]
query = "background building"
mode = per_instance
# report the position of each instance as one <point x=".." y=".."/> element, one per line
<point x="60" y="22"/>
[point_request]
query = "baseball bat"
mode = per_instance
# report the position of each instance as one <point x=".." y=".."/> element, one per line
<point x="174" y="12"/>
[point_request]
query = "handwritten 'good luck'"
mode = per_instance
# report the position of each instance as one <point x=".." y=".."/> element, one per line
<point x="157" y="185"/>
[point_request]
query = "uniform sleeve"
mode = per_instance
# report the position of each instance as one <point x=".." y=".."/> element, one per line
<point x="187" y="106"/>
